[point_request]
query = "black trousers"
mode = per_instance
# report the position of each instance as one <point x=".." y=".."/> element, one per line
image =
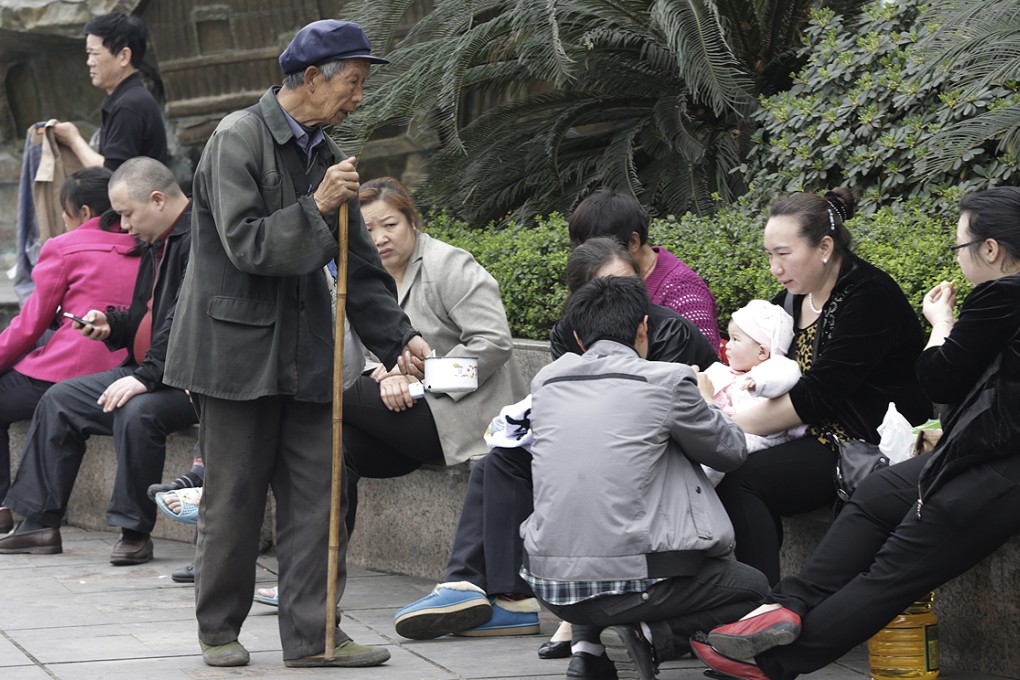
<point x="487" y="547"/>
<point x="723" y="590"/>
<point x="879" y="556"/>
<point x="67" y="415"/>
<point x="380" y="443"/>
<point x="788" y="479"/>
<point x="19" y="395"/>
<point x="250" y="446"/>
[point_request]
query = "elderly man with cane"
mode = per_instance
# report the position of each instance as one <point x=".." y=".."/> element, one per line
<point x="253" y="342"/>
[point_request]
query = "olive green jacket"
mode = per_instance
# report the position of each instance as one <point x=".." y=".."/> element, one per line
<point x="254" y="316"/>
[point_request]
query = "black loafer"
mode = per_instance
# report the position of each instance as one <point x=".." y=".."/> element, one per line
<point x="584" y="666"/>
<point x="184" y="574"/>
<point x="554" y="650"/>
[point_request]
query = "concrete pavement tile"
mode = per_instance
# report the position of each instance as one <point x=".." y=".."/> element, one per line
<point x="24" y="673"/>
<point x="506" y="657"/>
<point x="264" y="665"/>
<point x="140" y="640"/>
<point x="10" y="655"/>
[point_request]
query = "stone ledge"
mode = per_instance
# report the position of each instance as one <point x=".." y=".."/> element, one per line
<point x="91" y="494"/>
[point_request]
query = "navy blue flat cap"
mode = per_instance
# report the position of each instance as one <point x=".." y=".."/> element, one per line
<point x="327" y="40"/>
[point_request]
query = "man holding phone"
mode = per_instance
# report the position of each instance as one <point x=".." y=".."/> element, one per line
<point x="129" y="402"/>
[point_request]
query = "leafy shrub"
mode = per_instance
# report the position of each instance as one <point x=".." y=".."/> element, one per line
<point x="867" y="111"/>
<point x="527" y="262"/>
<point x="911" y="243"/>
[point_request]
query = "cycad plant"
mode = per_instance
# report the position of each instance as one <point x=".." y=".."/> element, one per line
<point x="651" y="97"/>
<point x="976" y="46"/>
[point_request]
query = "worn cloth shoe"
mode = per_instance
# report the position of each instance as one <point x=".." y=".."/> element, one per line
<point x="584" y="666"/>
<point x="629" y="651"/>
<point x="722" y="665"/>
<point x="509" y="617"/>
<point x="230" y="654"/>
<point x="747" y="638"/>
<point x="39" y="542"/>
<point x="449" y="608"/>
<point x="349" y="654"/>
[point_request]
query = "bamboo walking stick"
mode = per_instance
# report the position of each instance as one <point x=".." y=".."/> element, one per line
<point x="336" y="489"/>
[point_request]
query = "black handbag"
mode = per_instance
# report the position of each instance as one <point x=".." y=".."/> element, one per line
<point x="857" y="459"/>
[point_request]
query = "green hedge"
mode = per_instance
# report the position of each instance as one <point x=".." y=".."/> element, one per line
<point x="911" y="243"/>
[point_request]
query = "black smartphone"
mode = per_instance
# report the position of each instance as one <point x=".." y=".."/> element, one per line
<point x="80" y="320"/>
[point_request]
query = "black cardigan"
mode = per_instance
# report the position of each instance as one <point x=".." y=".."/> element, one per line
<point x="976" y="372"/>
<point x="869" y="339"/>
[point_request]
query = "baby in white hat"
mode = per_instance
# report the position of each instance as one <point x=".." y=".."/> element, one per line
<point x="760" y="335"/>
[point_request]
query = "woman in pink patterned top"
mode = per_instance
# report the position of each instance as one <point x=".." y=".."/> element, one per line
<point x="670" y="282"/>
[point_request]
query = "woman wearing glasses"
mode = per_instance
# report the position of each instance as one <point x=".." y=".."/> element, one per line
<point x="911" y="527"/>
<point x="856" y="339"/>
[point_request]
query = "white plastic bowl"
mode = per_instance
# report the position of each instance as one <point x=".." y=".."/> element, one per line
<point x="445" y="375"/>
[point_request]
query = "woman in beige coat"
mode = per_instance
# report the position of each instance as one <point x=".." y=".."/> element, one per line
<point x="456" y="305"/>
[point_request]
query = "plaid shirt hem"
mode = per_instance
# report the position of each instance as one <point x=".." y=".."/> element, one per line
<point x="571" y="592"/>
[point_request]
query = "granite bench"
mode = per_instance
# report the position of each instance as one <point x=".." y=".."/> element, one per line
<point x="406" y="526"/>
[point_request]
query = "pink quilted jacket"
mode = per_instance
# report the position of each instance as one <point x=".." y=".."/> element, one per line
<point x="87" y="268"/>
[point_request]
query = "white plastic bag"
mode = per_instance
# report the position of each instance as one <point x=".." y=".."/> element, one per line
<point x="897" y="434"/>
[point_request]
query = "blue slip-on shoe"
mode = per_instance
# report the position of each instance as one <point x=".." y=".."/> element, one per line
<point x="449" y="608"/>
<point x="189" y="498"/>
<point x="268" y="596"/>
<point x="509" y="617"/>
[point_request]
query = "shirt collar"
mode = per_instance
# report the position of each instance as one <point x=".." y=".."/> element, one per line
<point x="307" y="138"/>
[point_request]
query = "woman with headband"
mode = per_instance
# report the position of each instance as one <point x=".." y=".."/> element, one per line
<point x="856" y="339"/>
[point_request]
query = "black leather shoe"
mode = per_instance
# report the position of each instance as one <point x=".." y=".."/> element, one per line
<point x="131" y="552"/>
<point x="584" y="666"/>
<point x="184" y="574"/>
<point x="6" y="521"/>
<point x="39" y="542"/>
<point x="554" y="650"/>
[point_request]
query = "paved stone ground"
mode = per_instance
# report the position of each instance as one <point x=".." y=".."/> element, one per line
<point x="76" y="617"/>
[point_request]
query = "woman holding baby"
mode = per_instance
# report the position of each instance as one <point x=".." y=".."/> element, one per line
<point x="856" y="339"/>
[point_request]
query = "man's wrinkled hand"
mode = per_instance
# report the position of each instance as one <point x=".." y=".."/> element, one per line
<point x="339" y="185"/>
<point x="98" y="328"/>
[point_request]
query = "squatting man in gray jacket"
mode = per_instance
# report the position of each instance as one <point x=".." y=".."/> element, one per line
<point x="641" y="564"/>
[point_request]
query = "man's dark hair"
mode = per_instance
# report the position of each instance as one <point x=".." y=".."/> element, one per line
<point x="608" y="308"/>
<point x="118" y="31"/>
<point x="608" y="213"/>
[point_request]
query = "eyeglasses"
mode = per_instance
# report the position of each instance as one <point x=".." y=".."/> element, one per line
<point x="964" y="245"/>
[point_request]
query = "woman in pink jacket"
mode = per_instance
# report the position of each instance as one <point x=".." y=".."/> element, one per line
<point x="87" y="268"/>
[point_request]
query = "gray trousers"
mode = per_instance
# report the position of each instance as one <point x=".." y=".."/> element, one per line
<point x="250" y="447"/>
<point x="67" y="415"/>
<point x="723" y="590"/>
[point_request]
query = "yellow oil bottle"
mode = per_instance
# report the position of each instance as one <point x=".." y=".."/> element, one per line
<point x="908" y="648"/>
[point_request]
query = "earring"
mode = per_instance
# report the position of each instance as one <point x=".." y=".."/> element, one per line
<point x="825" y="260"/>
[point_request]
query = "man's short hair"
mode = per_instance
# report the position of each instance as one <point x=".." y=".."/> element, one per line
<point x="143" y="175"/>
<point x="329" y="70"/>
<point x="608" y="308"/>
<point x="608" y="213"/>
<point x="118" y="31"/>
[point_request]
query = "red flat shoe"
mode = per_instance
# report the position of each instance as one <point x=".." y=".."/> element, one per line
<point x="748" y="638"/>
<point x="724" y="666"/>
